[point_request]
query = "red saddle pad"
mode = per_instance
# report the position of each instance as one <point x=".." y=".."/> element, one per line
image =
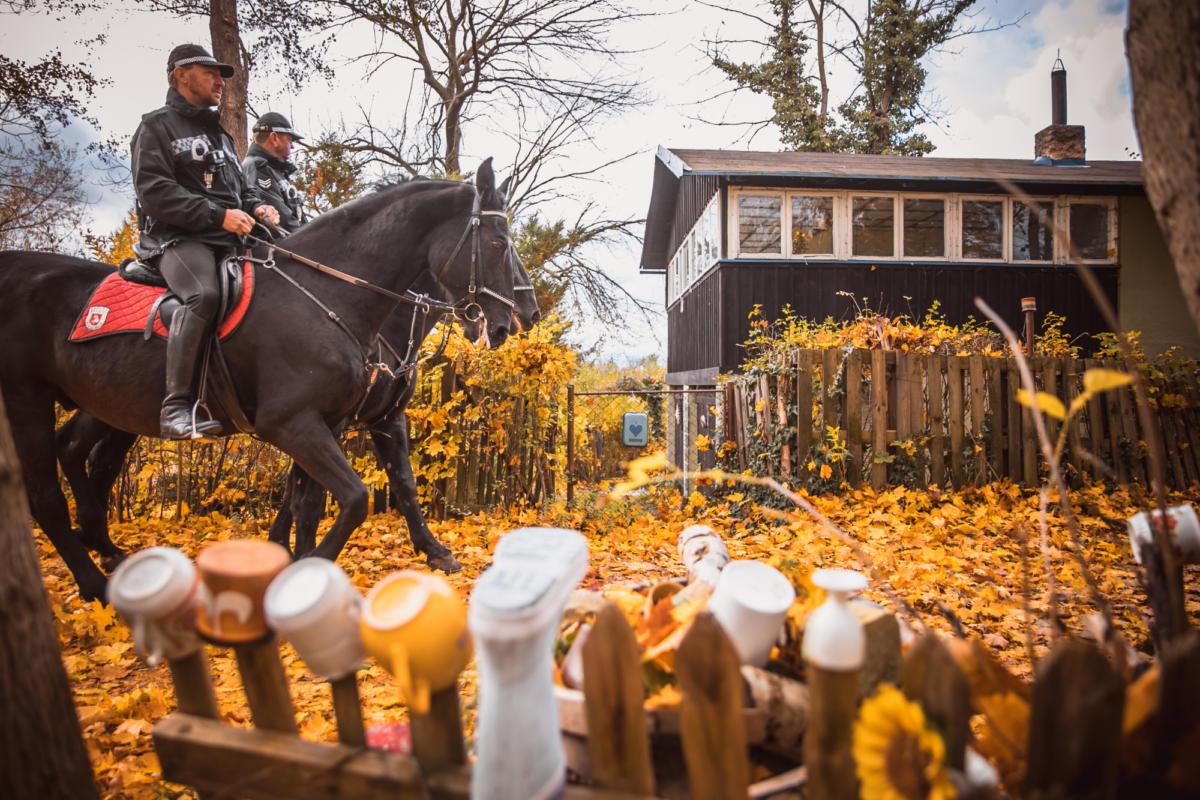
<point x="120" y="306"/>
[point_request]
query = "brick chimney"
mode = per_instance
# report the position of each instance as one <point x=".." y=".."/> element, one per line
<point x="1058" y="142"/>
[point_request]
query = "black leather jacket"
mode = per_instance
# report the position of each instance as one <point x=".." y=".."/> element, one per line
<point x="270" y="177"/>
<point x="186" y="175"/>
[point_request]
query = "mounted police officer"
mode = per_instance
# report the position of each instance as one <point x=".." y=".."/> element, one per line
<point x="192" y="206"/>
<point x="267" y="169"/>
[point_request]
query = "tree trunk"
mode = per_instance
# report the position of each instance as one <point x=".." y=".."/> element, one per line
<point x="453" y="140"/>
<point x="42" y="753"/>
<point x="1163" y="47"/>
<point x="227" y="47"/>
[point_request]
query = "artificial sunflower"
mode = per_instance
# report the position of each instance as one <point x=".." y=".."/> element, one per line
<point x="896" y="755"/>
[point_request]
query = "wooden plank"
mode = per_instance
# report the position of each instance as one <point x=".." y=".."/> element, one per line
<point x="879" y="433"/>
<point x="780" y="394"/>
<point x="829" y="399"/>
<point x="214" y="757"/>
<point x="854" y="418"/>
<point x="1098" y="443"/>
<point x="762" y="407"/>
<point x="828" y="743"/>
<point x="916" y="403"/>
<point x="978" y="444"/>
<point x="1191" y="424"/>
<point x="1030" y="447"/>
<point x="903" y="397"/>
<point x="193" y="685"/>
<point x="347" y="708"/>
<point x="996" y="403"/>
<point x="1072" y="390"/>
<point x="932" y="677"/>
<point x="937" y="419"/>
<point x="1137" y="466"/>
<point x="1116" y="433"/>
<point x="1176" y="476"/>
<point x="743" y="420"/>
<point x="1075" y="724"/>
<point x="1012" y="381"/>
<point x="1049" y="374"/>
<point x="954" y="374"/>
<point x="618" y="745"/>
<point x="437" y="735"/>
<point x="266" y="686"/>
<point x="1186" y="454"/>
<point x="714" y="739"/>
<point x="804" y="397"/>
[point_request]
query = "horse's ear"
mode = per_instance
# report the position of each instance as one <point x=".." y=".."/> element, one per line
<point x="508" y="184"/>
<point x="485" y="179"/>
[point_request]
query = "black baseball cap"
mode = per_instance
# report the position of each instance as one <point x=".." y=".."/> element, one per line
<point x="187" y="54"/>
<point x="274" y="122"/>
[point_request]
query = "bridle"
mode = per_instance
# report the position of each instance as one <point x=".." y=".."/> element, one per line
<point x="466" y="308"/>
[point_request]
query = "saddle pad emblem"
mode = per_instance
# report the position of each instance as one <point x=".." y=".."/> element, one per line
<point x="95" y="317"/>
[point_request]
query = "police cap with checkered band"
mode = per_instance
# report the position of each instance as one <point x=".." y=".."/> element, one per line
<point x="187" y="54"/>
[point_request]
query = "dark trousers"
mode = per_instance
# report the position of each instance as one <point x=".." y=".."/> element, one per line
<point x="191" y="270"/>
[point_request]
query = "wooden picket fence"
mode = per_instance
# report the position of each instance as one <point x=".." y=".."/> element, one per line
<point x="608" y="734"/>
<point x="917" y="420"/>
<point x="487" y="473"/>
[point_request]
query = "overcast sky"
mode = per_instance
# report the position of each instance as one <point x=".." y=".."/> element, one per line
<point x="993" y="90"/>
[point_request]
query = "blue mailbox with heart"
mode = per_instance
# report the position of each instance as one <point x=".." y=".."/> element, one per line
<point x="635" y="429"/>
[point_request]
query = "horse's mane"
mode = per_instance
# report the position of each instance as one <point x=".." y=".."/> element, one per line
<point x="370" y="203"/>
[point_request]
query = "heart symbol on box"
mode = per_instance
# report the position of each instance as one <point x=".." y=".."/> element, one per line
<point x="636" y="430"/>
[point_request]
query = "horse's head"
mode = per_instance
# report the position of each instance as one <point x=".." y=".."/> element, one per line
<point x="527" y="311"/>
<point x="471" y="259"/>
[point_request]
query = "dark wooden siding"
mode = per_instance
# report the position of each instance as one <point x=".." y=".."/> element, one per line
<point x="694" y="193"/>
<point x="698" y="340"/>
<point x="694" y="327"/>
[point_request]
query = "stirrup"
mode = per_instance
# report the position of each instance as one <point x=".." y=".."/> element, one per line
<point x="214" y="426"/>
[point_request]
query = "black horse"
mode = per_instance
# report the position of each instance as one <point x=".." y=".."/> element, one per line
<point x="300" y="376"/>
<point x="92" y="454"/>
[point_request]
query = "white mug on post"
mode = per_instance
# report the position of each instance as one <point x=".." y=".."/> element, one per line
<point x="314" y="606"/>
<point x="751" y="602"/>
<point x="154" y="591"/>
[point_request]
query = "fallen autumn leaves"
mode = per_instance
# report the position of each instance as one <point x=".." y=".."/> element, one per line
<point x="956" y="549"/>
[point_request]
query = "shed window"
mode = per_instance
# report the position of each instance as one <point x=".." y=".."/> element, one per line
<point x="874" y="226"/>
<point x="924" y="227"/>
<point x="760" y="223"/>
<point x="812" y="225"/>
<point x="983" y="229"/>
<point x="1089" y="231"/>
<point x="1033" y="236"/>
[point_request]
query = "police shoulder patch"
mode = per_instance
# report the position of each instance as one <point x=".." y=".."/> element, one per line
<point x="264" y="182"/>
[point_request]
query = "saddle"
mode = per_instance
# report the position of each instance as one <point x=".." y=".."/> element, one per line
<point x="135" y="299"/>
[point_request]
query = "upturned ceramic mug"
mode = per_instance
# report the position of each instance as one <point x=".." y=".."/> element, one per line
<point x="155" y="592"/>
<point x="314" y="606"/>
<point x="234" y="576"/>
<point x="415" y="625"/>
<point x="751" y="602"/>
<point x="1183" y="529"/>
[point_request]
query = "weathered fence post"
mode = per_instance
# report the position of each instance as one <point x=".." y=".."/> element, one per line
<point x="570" y="442"/>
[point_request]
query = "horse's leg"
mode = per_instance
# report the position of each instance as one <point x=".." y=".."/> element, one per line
<point x="306" y="437"/>
<point x="391" y="448"/>
<point x="281" y="526"/>
<point x="31" y="416"/>
<point x="307" y="505"/>
<point x="92" y="478"/>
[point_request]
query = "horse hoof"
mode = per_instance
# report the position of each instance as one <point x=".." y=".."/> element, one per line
<point x="444" y="562"/>
<point x="113" y="560"/>
<point x="94" y="589"/>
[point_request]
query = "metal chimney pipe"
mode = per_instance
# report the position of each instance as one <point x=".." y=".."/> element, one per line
<point x="1058" y="93"/>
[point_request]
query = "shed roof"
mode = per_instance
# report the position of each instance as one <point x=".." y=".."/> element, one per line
<point x="851" y="171"/>
<point x="844" y="165"/>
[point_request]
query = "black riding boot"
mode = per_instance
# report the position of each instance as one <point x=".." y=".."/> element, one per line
<point x="185" y="342"/>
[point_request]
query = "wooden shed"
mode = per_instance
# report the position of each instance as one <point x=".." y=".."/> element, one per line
<point x="819" y="232"/>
